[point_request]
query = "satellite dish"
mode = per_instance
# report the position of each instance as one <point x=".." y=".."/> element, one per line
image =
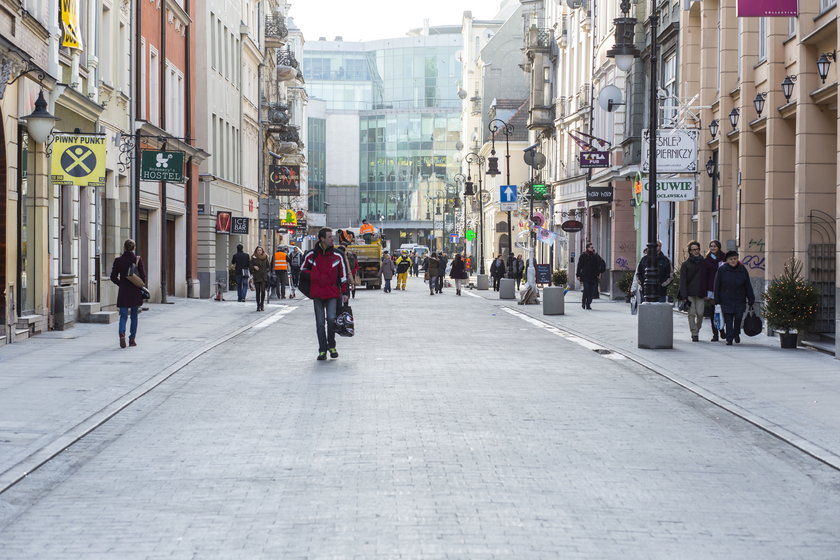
<point x="539" y="161"/>
<point x="529" y="157"/>
<point x="609" y="97"/>
<point x="574" y="4"/>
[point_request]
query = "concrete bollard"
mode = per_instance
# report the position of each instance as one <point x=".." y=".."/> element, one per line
<point x="554" y="300"/>
<point x="656" y="325"/>
<point x="507" y="288"/>
<point x="483" y="282"/>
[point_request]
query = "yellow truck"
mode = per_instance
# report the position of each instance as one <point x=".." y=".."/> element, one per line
<point x="369" y="258"/>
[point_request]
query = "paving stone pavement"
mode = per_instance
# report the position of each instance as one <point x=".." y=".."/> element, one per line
<point x="448" y="428"/>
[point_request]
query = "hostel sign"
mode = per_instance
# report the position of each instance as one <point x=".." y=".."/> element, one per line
<point x="162" y="166"/>
<point x="78" y="160"/>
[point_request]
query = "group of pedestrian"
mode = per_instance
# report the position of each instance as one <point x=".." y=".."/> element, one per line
<point x="716" y="279"/>
<point x="514" y="269"/>
<point x="264" y="274"/>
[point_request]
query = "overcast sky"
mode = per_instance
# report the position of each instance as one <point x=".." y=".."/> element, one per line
<point x="365" y="20"/>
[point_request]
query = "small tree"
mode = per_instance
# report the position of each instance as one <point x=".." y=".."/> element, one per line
<point x="626" y="282"/>
<point x="559" y="278"/>
<point x="790" y="302"/>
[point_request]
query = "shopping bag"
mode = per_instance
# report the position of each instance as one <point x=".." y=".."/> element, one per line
<point x="752" y="323"/>
<point x="344" y="324"/>
<point x="634" y="304"/>
<point x="718" y="318"/>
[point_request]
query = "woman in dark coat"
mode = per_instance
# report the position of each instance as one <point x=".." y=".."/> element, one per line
<point x="458" y="273"/>
<point x="129" y="297"/>
<point x="259" y="266"/>
<point x="432" y="266"/>
<point x="715" y="259"/>
<point x="733" y="291"/>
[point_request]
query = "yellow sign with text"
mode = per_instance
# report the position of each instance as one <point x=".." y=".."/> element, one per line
<point x="71" y="33"/>
<point x="78" y="160"/>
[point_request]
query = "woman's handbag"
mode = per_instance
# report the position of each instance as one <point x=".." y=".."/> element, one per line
<point x="718" y="318"/>
<point x="752" y="323"/>
<point x="132" y="275"/>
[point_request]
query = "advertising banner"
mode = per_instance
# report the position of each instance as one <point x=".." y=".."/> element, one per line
<point x="78" y="160"/>
<point x="676" y="188"/>
<point x="284" y="180"/>
<point x="594" y="160"/>
<point x="71" y="34"/>
<point x="599" y="194"/>
<point x="162" y="166"/>
<point x="239" y="225"/>
<point x="223" y="222"/>
<point x="768" y="8"/>
<point x="676" y="150"/>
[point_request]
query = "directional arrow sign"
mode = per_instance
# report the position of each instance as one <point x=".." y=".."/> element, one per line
<point x="507" y="197"/>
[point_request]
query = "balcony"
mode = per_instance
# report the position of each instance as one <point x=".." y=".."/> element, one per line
<point x="538" y="40"/>
<point x="288" y="67"/>
<point x="275" y="31"/>
<point x="541" y="118"/>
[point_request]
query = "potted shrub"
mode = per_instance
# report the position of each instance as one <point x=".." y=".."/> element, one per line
<point x="625" y="283"/>
<point x="790" y="303"/>
<point x="559" y="278"/>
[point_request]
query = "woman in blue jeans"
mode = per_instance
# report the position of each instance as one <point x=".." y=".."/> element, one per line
<point x="129" y="297"/>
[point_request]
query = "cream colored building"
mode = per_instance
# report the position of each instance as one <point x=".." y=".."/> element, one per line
<point x="773" y="189"/>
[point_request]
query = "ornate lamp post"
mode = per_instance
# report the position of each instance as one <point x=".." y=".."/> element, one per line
<point x="472" y="158"/>
<point x="493" y="170"/>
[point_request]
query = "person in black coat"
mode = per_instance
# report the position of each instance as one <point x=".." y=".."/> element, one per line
<point x="715" y="259"/>
<point x="733" y="291"/>
<point x="664" y="277"/>
<point x="129" y="297"/>
<point x="693" y="288"/>
<point x="497" y="271"/>
<point x="589" y="268"/>
<point x="458" y="273"/>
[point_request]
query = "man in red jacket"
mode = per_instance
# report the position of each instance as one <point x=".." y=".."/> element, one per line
<point x="328" y="278"/>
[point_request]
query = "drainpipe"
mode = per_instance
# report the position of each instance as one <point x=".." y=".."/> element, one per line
<point x="191" y="273"/>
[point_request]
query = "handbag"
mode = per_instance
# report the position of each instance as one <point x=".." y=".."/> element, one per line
<point x="344" y="323"/>
<point x="752" y="323"/>
<point x="132" y="275"/>
<point x="718" y="318"/>
<point x="305" y="282"/>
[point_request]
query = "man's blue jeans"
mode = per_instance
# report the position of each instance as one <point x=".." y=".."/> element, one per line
<point x="124" y="312"/>
<point x="387" y="284"/>
<point x="241" y="287"/>
<point x="325" y="311"/>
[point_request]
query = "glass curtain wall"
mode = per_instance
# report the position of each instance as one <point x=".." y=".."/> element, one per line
<point x="317" y="159"/>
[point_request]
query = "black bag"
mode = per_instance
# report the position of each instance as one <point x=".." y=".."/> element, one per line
<point x="344" y="325"/>
<point x="752" y="323"/>
<point x="305" y="282"/>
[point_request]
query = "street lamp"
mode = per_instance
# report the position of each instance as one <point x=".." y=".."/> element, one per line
<point x="734" y="115"/>
<point x="824" y="63"/>
<point x="493" y="170"/>
<point x="460" y="181"/>
<point x="759" y="101"/>
<point x="787" y="87"/>
<point x="40" y="122"/>
<point x="471" y="158"/>
<point x="624" y="51"/>
<point x="714" y="126"/>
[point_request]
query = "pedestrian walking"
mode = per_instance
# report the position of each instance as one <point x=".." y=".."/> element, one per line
<point x="403" y="266"/>
<point x="431" y="265"/>
<point x="415" y="266"/>
<point x="665" y="273"/>
<point x="259" y="272"/>
<point x="458" y="273"/>
<point x="497" y="271"/>
<point x="715" y="259"/>
<point x="468" y="264"/>
<point x="281" y="271"/>
<point x="519" y="270"/>
<point x="387" y="270"/>
<point x="241" y="262"/>
<point x="325" y="271"/>
<point x="590" y="267"/>
<point x="733" y="292"/>
<point x="693" y="288"/>
<point x="130" y="295"/>
<point x="295" y="262"/>
<point x="442" y="261"/>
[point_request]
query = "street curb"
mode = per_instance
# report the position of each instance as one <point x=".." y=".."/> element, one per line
<point x="821" y="454"/>
<point x="33" y="462"/>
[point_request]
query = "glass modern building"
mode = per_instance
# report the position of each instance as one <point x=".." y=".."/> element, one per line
<point x="316" y="157"/>
<point x="404" y="92"/>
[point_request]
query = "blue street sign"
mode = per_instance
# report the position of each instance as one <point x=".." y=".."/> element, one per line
<point x="507" y="193"/>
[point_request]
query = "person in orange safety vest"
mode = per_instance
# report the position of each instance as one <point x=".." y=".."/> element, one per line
<point x="281" y="271"/>
<point x="367" y="231"/>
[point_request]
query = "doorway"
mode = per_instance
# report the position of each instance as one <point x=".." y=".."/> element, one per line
<point x="170" y="257"/>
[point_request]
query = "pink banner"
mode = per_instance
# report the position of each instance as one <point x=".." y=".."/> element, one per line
<point x="768" y="8"/>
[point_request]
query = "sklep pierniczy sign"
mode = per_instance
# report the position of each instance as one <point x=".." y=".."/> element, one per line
<point x="676" y="150"/>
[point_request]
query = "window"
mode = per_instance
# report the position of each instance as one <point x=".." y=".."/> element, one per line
<point x="124" y="65"/>
<point x="669" y="79"/>
<point x="215" y="141"/>
<point x="213" y="45"/>
<point x="791" y="26"/>
<point x="154" y="87"/>
<point x="106" y="48"/>
<point x="762" y="39"/>
<point x="143" y="96"/>
<point x="826" y="4"/>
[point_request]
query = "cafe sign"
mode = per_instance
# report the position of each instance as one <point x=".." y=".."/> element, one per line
<point x="676" y="150"/>
<point x="674" y="189"/>
<point x="166" y="167"/>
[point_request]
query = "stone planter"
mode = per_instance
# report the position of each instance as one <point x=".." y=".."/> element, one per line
<point x="554" y="300"/>
<point x="788" y="340"/>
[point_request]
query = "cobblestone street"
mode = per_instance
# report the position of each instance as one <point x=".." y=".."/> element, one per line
<point x="447" y="428"/>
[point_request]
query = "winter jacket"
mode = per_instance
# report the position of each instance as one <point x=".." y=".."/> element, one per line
<point x="519" y="270"/>
<point x="733" y="289"/>
<point x="497" y="269"/>
<point x="241" y="261"/>
<point x="259" y="268"/>
<point x="590" y="266"/>
<point x="711" y="266"/>
<point x="442" y="266"/>
<point x="664" y="277"/>
<point x="458" y="270"/>
<point x="432" y="266"/>
<point x="388" y="268"/>
<point x="327" y="270"/>
<point x="403" y="264"/>
<point x="128" y="295"/>
<point x="693" y="278"/>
